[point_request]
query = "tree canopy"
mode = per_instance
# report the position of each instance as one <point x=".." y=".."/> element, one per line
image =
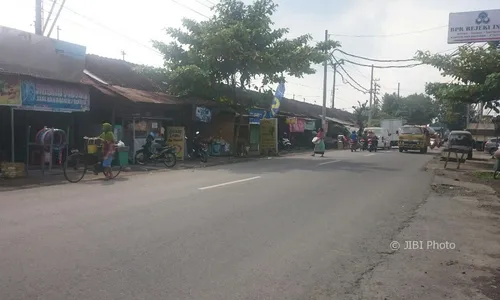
<point x="415" y="108"/>
<point x="236" y="49"/>
<point x="475" y="72"/>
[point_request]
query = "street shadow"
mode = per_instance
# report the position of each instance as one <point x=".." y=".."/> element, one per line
<point x="105" y="182"/>
<point x="291" y="164"/>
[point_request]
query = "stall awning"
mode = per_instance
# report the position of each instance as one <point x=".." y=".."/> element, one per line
<point x="338" y="121"/>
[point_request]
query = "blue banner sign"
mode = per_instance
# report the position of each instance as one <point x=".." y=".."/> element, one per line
<point x="278" y="96"/>
<point x="256" y="115"/>
<point x="57" y="97"/>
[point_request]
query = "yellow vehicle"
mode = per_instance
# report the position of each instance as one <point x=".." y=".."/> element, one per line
<point x="413" y="137"/>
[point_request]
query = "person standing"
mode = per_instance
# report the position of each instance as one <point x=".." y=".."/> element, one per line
<point x="319" y="147"/>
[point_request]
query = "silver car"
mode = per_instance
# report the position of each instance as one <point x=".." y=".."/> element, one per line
<point x="491" y="146"/>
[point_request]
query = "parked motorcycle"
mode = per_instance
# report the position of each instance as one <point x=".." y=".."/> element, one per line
<point x="372" y="145"/>
<point x="199" y="149"/>
<point x="161" y="153"/>
<point x="285" y="144"/>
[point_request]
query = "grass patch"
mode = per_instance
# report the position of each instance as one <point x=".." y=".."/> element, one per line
<point x="482" y="174"/>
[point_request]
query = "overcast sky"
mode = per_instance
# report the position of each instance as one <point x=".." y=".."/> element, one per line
<point x="381" y="29"/>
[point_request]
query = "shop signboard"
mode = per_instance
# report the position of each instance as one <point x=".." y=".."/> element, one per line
<point x="203" y="114"/>
<point x="310" y="125"/>
<point x="56" y="97"/>
<point x="176" y="138"/>
<point x="10" y="91"/>
<point x="291" y="120"/>
<point x="474" y="26"/>
<point x="256" y="116"/>
<point x="269" y="135"/>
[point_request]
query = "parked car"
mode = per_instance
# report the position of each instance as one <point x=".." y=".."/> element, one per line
<point x="491" y="145"/>
<point x="462" y="140"/>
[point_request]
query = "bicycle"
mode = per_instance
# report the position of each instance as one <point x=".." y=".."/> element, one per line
<point x="77" y="164"/>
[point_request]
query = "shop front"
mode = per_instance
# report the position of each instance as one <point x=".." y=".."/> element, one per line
<point x="255" y="115"/>
<point x="42" y="122"/>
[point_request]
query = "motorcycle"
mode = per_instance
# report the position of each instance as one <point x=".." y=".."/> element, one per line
<point x="285" y="144"/>
<point x="372" y="145"/>
<point x="364" y="144"/>
<point x="164" y="153"/>
<point x="354" y="146"/>
<point x="199" y="149"/>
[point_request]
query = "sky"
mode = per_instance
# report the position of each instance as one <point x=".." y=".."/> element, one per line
<point x="379" y="29"/>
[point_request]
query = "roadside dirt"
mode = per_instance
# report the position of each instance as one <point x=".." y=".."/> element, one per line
<point x="462" y="217"/>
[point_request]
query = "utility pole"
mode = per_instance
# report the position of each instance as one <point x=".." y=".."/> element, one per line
<point x="123" y="54"/>
<point x="333" y="88"/>
<point x="38" y="20"/>
<point x="325" y="83"/>
<point x="58" y="30"/>
<point x="399" y="86"/>
<point x="371" y="100"/>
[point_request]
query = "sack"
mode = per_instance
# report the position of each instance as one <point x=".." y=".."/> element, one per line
<point x="120" y="144"/>
<point x="497" y="154"/>
<point x="315" y="140"/>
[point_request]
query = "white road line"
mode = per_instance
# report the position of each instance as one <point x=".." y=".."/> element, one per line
<point x="227" y="183"/>
<point x="328" y="162"/>
<point x="370" y="154"/>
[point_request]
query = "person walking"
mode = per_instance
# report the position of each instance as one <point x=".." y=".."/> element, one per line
<point x="319" y="147"/>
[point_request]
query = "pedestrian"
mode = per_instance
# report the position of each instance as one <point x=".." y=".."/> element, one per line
<point x="319" y="146"/>
<point x="108" y="148"/>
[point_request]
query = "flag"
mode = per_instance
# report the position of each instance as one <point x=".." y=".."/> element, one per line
<point x="278" y="96"/>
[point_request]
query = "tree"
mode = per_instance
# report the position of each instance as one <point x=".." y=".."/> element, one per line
<point x="475" y="72"/>
<point x="415" y="109"/>
<point x="233" y="48"/>
<point x="221" y="58"/>
<point x="361" y="115"/>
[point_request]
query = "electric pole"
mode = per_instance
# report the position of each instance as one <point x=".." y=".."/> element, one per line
<point x="333" y="87"/>
<point x="38" y="20"/>
<point x="58" y="30"/>
<point x="123" y="54"/>
<point x="371" y="100"/>
<point x="399" y="85"/>
<point x="325" y="83"/>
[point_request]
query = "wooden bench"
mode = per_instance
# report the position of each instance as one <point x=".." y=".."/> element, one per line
<point x="464" y="153"/>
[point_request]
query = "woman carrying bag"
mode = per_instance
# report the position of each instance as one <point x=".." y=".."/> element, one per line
<point x="319" y="143"/>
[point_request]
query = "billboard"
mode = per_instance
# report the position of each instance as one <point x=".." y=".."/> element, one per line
<point x="474" y="27"/>
<point x="25" y="53"/>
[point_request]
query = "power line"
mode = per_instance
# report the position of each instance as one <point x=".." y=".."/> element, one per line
<point x="347" y="82"/>
<point x="385" y="67"/>
<point x="189" y="8"/>
<point x="373" y="59"/>
<point x="112" y="30"/>
<point x="348" y="75"/>
<point x="202" y="3"/>
<point x="390" y="35"/>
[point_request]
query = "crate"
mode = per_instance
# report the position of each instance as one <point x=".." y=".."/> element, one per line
<point x="13" y="170"/>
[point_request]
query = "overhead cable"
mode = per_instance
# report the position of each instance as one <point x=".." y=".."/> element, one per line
<point x="348" y="75"/>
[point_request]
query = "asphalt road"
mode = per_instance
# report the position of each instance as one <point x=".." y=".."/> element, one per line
<point x="297" y="227"/>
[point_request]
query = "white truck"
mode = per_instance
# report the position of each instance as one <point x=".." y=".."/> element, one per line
<point x="392" y="125"/>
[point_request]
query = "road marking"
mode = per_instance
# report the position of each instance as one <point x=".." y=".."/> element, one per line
<point x="227" y="183"/>
<point x="370" y="154"/>
<point x="328" y="162"/>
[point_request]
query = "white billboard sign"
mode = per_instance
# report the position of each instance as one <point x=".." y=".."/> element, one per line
<point x="474" y="27"/>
